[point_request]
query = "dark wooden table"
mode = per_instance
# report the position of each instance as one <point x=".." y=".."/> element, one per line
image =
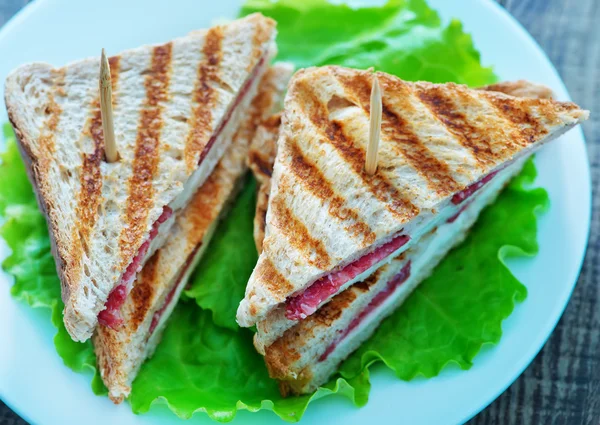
<point x="562" y="385"/>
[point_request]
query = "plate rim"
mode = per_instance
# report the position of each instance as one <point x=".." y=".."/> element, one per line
<point x="523" y="33"/>
<point x="21" y="16"/>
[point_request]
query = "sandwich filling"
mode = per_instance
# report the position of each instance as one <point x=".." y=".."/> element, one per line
<point x="110" y="316"/>
<point x="339" y="330"/>
<point x="303" y="305"/>
<point x="470" y="190"/>
<point x="300" y="306"/>
<point x="425" y="255"/>
<point x="391" y="286"/>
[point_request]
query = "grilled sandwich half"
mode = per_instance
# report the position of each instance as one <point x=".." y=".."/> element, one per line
<point x="122" y="351"/>
<point x="329" y="224"/>
<point x="308" y="353"/>
<point x="176" y="108"/>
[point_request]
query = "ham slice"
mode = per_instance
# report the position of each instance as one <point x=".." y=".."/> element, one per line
<point x="303" y="305"/>
<point x="470" y="190"/>
<point x="111" y="316"/>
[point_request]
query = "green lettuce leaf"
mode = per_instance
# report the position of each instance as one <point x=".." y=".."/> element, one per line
<point x="31" y="262"/>
<point x="404" y="37"/>
<point x="200" y="366"/>
<point x="214" y="275"/>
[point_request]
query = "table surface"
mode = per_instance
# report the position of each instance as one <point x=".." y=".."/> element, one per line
<point x="562" y="385"/>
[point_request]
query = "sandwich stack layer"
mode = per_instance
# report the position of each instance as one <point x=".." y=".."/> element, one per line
<point x="176" y="108"/>
<point x="121" y="351"/>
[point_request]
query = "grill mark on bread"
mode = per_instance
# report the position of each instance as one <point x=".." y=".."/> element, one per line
<point x="264" y="148"/>
<point x="520" y="88"/>
<point x="315" y="182"/>
<point x="273" y="281"/>
<point x="145" y="162"/>
<point x="205" y="96"/>
<point x="446" y="111"/>
<point x="333" y="133"/>
<point x="396" y="129"/>
<point x="298" y="235"/>
<point x="279" y="356"/>
<point x="89" y="197"/>
<point x="141" y="294"/>
<point x="44" y="157"/>
<point x="262" y="33"/>
<point x="436" y="173"/>
<point x="262" y="168"/>
<point x="529" y="127"/>
<point x="203" y="208"/>
<point x="52" y="111"/>
<point x="332" y="311"/>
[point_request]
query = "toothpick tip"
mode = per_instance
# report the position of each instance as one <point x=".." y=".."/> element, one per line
<point x="374" y="127"/>
<point x="110" y="147"/>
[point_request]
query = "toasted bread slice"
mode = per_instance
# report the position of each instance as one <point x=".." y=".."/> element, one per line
<point x="275" y="322"/>
<point x="176" y="107"/>
<point x="328" y="220"/>
<point x="309" y="353"/>
<point x="122" y="351"/>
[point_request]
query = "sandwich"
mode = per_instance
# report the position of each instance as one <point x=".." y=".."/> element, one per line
<point x="308" y="354"/>
<point x="176" y="107"/>
<point x="121" y="352"/>
<point x="329" y="224"/>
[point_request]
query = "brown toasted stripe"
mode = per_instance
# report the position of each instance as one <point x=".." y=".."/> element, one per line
<point x="298" y="235"/>
<point x="145" y="162"/>
<point x="530" y="127"/>
<point x="53" y="111"/>
<point x="354" y="155"/>
<point x="332" y="311"/>
<point x="427" y="165"/>
<point x="274" y="281"/>
<point x="395" y="128"/>
<point x="279" y="356"/>
<point x="262" y="102"/>
<point x="260" y="164"/>
<point x="261" y="35"/>
<point x="47" y="146"/>
<point x="89" y="197"/>
<point x="447" y="112"/>
<point x="205" y="96"/>
<point x="202" y="210"/>
<point x="141" y="294"/>
<point x="262" y="155"/>
<point x="315" y="182"/>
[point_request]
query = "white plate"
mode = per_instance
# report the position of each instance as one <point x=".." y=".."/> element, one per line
<point x="35" y="383"/>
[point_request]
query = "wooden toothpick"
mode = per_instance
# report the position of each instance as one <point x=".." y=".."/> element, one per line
<point x="374" y="127"/>
<point x="106" y="109"/>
